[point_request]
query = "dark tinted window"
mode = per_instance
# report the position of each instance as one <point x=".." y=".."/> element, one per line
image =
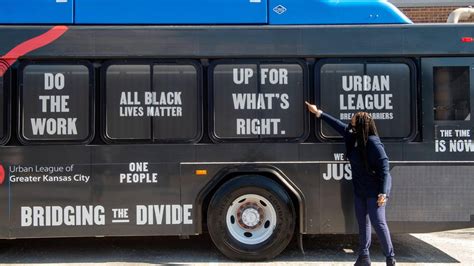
<point x="258" y="101"/>
<point x="451" y="93"/>
<point x="56" y="102"/>
<point x="233" y="85"/>
<point x="3" y="108"/>
<point x="175" y="103"/>
<point x="285" y="83"/>
<point x="153" y="102"/>
<point x="125" y="111"/>
<point x="382" y="89"/>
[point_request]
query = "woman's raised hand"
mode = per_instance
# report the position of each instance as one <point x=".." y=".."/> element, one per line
<point x="313" y="109"/>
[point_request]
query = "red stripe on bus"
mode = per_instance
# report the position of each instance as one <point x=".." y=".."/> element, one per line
<point x="31" y="45"/>
<point x="2" y="174"/>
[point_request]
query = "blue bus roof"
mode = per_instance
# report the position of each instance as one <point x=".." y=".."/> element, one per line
<point x="193" y="12"/>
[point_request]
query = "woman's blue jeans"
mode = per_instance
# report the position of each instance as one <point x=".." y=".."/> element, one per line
<point x="368" y="212"/>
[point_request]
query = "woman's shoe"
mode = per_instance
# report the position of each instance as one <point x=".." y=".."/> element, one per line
<point x="363" y="260"/>
<point x="391" y="261"/>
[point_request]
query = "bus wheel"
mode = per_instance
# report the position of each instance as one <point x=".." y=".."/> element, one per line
<point x="251" y="218"/>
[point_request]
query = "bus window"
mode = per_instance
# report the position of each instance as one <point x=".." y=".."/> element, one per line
<point x="451" y="93"/>
<point x="125" y="113"/>
<point x="258" y="101"/>
<point x="3" y="108"/>
<point x="55" y="102"/>
<point x="153" y="103"/>
<point x="232" y="83"/>
<point x="331" y="80"/>
<point x="175" y="103"/>
<point x="285" y="83"/>
<point x="384" y="90"/>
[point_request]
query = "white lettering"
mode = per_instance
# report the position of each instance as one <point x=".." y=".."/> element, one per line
<point x="242" y="75"/>
<point x="164" y="214"/>
<point x="54" y="126"/>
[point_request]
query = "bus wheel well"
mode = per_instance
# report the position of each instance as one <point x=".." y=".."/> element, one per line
<point x="294" y="193"/>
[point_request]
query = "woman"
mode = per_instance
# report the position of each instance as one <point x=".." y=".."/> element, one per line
<point x="370" y="177"/>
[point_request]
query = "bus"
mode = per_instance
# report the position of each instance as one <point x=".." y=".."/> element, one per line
<point x="118" y="120"/>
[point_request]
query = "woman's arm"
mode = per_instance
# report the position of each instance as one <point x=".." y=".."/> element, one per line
<point x="337" y="124"/>
<point x="379" y="159"/>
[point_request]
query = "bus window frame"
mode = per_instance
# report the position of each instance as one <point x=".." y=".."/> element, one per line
<point x="258" y="62"/>
<point x="427" y="67"/>
<point x="92" y="103"/>
<point x="7" y="102"/>
<point x="151" y="63"/>
<point x="414" y="120"/>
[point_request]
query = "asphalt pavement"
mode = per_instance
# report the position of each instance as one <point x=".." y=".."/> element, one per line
<point x="441" y="248"/>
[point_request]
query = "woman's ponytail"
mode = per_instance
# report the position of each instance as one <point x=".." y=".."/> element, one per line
<point x="365" y="127"/>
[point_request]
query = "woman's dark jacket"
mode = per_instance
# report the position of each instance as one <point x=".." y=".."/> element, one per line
<point x="367" y="182"/>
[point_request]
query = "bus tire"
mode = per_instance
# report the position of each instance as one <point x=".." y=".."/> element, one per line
<point x="251" y="218"/>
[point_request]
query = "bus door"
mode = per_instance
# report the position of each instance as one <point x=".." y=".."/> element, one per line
<point x="445" y="165"/>
<point x="447" y="102"/>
